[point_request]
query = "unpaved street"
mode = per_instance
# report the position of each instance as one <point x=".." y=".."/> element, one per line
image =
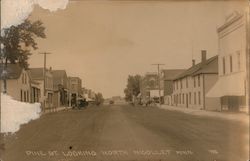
<point x="123" y="132"/>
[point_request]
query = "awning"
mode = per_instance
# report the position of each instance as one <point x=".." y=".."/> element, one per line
<point x="229" y="85"/>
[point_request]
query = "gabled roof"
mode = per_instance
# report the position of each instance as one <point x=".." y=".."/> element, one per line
<point x="170" y="74"/>
<point x="36" y="73"/>
<point x="31" y="80"/>
<point x="58" y="74"/>
<point x="13" y="71"/>
<point x="210" y="66"/>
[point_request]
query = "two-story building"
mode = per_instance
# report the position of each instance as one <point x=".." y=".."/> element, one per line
<point x="46" y="86"/>
<point x="60" y="85"/>
<point x="17" y="82"/>
<point x="75" y="87"/>
<point x="167" y="79"/>
<point x="191" y="86"/>
<point x="232" y="85"/>
<point x="35" y="90"/>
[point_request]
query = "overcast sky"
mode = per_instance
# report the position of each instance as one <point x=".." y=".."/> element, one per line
<point x="102" y="42"/>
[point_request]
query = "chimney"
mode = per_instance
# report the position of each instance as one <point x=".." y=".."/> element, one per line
<point x="193" y="62"/>
<point x="203" y="56"/>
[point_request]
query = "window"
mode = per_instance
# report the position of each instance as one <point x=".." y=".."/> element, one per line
<point x="179" y="98"/>
<point x="21" y="95"/>
<point x="199" y="81"/>
<point x="199" y="97"/>
<point x="177" y="84"/>
<point x="24" y="94"/>
<point x="183" y="99"/>
<point x="37" y="95"/>
<point x="194" y="82"/>
<point x="190" y="98"/>
<point x="231" y="63"/>
<point x="181" y="83"/>
<point x="194" y="98"/>
<point x="27" y="96"/>
<point x="186" y="82"/>
<point x="239" y="60"/>
<point x="224" y="65"/>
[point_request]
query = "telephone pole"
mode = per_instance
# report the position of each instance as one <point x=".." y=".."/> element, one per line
<point x="44" y="76"/>
<point x="159" y="81"/>
<point x="248" y="57"/>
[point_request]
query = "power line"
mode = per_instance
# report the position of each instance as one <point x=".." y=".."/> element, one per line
<point x="44" y="75"/>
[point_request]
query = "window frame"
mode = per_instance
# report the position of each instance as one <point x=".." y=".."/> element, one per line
<point x="194" y="98"/>
<point x="199" y="98"/>
<point x="231" y="63"/>
<point x="224" y="65"/>
<point x="190" y="97"/>
<point x="239" y="60"/>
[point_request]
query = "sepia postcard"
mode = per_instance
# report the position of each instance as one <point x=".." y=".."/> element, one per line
<point x="124" y="80"/>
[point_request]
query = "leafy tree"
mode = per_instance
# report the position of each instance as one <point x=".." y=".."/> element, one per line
<point x="133" y="87"/>
<point x="17" y="41"/>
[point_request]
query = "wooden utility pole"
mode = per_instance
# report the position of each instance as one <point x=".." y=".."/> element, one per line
<point x="248" y="57"/>
<point x="159" y="81"/>
<point x="44" y="77"/>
